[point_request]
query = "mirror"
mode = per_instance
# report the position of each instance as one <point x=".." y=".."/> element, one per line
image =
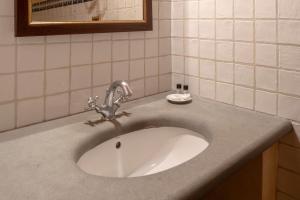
<point x="49" y="17"/>
<point x="101" y="11"/>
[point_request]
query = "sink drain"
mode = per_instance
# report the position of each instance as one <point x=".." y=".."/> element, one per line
<point x="118" y="145"/>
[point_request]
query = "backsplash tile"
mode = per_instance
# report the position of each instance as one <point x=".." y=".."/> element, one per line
<point x="48" y="77"/>
<point x="248" y="52"/>
<point x="227" y="47"/>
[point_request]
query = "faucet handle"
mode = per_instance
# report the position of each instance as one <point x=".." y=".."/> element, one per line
<point x="92" y="102"/>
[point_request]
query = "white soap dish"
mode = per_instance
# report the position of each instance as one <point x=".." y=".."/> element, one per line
<point x="179" y="98"/>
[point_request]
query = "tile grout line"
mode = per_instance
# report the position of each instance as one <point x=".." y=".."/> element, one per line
<point x="70" y="75"/>
<point x="254" y="56"/>
<point x="16" y="85"/>
<point x="44" y="80"/>
<point x="216" y="70"/>
<point x="233" y="52"/>
<point x="277" y="59"/>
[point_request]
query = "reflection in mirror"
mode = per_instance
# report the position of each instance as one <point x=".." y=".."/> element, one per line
<point x="101" y="11"/>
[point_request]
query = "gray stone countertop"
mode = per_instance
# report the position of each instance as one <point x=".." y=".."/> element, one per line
<point x="39" y="162"/>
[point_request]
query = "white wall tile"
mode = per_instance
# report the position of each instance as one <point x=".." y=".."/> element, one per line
<point x="7" y="88"/>
<point x="178" y="64"/>
<point x="81" y="53"/>
<point x="244" y="75"/>
<point x="207" y="88"/>
<point x="30" y="111"/>
<point x="192" y="66"/>
<point x="57" y="106"/>
<point x="31" y="40"/>
<point x="102" y="74"/>
<point x="164" y="46"/>
<point x="224" y="92"/>
<point x="165" y="63"/>
<point x="224" y="51"/>
<point x="191" y="9"/>
<point x="224" y="8"/>
<point x="7" y="30"/>
<point x="177" y="28"/>
<point x="289" y="57"/>
<point x="289" y="31"/>
<point x="289" y="107"/>
<point x="178" y="46"/>
<point x="102" y="51"/>
<point x="265" y="30"/>
<point x="165" y="82"/>
<point x="7" y="115"/>
<point x="30" y="85"/>
<point x="31" y="57"/>
<point x="151" y="85"/>
<point x="266" y="54"/>
<point x="57" y="55"/>
<point x="137" y="49"/>
<point x="193" y="83"/>
<point x="224" y="29"/>
<point x="207" y="9"/>
<point x="207" y="29"/>
<point x="289" y="82"/>
<point x="244" y="52"/>
<point x="265" y="102"/>
<point x="120" y="50"/>
<point x="289" y="9"/>
<point x="265" y="8"/>
<point x="120" y="70"/>
<point x="225" y="72"/>
<point x="8" y="59"/>
<point x="266" y="78"/>
<point x="164" y="10"/>
<point x="138" y="86"/>
<point x="191" y="47"/>
<point x="164" y="28"/>
<point x="81" y="77"/>
<point x="151" y="66"/>
<point x="78" y="100"/>
<point x="151" y="47"/>
<point x="207" y="69"/>
<point x="243" y="30"/>
<point x="58" y="38"/>
<point x="191" y="28"/>
<point x="7" y="7"/>
<point x="244" y="97"/>
<point x="177" y="11"/>
<point x="57" y="81"/>
<point x="243" y="8"/>
<point x="102" y="36"/>
<point x="207" y="49"/>
<point x="137" y="69"/>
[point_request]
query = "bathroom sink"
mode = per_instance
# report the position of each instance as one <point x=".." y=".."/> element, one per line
<point x="143" y="152"/>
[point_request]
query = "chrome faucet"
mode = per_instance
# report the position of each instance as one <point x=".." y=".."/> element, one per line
<point x="113" y="99"/>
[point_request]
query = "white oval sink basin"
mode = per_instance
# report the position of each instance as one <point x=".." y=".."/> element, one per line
<point x="143" y="152"/>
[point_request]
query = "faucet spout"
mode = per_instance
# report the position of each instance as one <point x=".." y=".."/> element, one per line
<point x="110" y="93"/>
<point x="112" y="101"/>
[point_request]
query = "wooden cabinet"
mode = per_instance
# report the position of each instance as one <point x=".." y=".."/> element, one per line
<point x="256" y="180"/>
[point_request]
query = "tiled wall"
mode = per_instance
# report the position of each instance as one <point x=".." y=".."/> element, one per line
<point x="43" y="78"/>
<point x="245" y="53"/>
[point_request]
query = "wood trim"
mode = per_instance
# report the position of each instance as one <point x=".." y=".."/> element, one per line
<point x="23" y="27"/>
<point x="269" y="178"/>
<point x="256" y="180"/>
